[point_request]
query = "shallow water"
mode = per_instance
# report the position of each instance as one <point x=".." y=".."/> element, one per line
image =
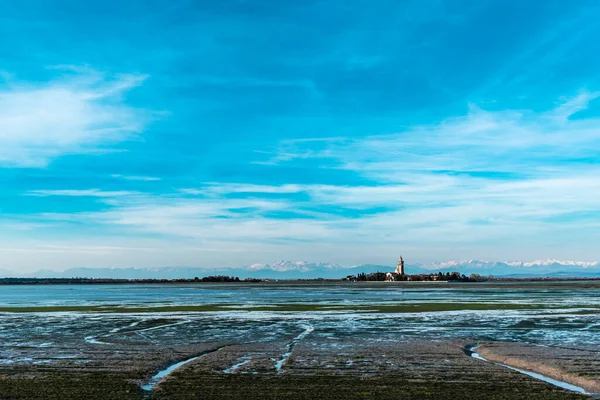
<point x="290" y="347"/>
<point x="565" y="315"/>
<point x="166" y="372"/>
<point x="236" y="295"/>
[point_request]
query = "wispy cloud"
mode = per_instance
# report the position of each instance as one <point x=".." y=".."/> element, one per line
<point x="80" y="193"/>
<point x="510" y="142"/>
<point x="136" y="178"/>
<point x="69" y="115"/>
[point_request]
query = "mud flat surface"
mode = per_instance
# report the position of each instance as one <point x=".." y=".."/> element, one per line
<point x="355" y="370"/>
<point x="297" y="341"/>
<point x="315" y="369"/>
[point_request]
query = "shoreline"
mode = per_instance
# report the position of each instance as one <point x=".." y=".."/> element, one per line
<point x="500" y="282"/>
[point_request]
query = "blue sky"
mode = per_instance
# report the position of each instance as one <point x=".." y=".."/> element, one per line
<point x="162" y="133"/>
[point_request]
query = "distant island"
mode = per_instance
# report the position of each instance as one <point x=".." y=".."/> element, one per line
<point x="400" y="275"/>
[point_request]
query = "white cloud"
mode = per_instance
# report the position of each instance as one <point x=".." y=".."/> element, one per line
<point x="213" y="188"/>
<point x="74" y="115"/>
<point x="80" y="193"/>
<point x="136" y="178"/>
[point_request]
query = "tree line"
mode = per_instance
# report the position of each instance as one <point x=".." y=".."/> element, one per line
<point x="440" y="276"/>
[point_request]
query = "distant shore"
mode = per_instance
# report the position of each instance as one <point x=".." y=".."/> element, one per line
<point x="233" y="280"/>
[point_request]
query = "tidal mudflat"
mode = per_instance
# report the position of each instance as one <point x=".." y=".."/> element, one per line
<point x="299" y="341"/>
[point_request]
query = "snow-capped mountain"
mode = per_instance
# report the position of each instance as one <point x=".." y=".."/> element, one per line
<point x="516" y="264"/>
<point x="277" y="270"/>
<point x="504" y="268"/>
<point x="299" y="266"/>
<point x="539" y="263"/>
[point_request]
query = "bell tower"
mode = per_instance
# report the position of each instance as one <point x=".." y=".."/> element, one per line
<point x="400" y="266"/>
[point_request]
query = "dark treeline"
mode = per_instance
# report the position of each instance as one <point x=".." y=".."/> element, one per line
<point x="217" y="278"/>
<point x="107" y="281"/>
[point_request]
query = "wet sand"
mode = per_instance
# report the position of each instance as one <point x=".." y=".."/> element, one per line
<point x="578" y="367"/>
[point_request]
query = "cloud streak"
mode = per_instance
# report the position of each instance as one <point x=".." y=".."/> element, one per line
<point x="79" y="193"/>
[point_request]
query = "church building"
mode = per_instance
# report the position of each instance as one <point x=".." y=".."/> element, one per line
<point x="400" y="266"/>
<point x="399" y="272"/>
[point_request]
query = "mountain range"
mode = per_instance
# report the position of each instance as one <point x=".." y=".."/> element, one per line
<point x="550" y="267"/>
<point x="304" y="269"/>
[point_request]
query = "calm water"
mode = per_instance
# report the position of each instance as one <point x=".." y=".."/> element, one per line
<point x="568" y="316"/>
<point x="558" y="294"/>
